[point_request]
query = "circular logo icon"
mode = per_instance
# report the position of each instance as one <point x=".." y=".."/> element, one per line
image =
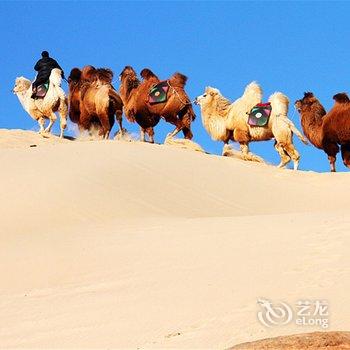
<point x="272" y="315"/>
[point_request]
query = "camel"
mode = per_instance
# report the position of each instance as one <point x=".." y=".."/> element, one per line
<point x="44" y="108"/>
<point x="327" y="131"/>
<point x="93" y="101"/>
<point x="177" y="109"/>
<point x="225" y="121"/>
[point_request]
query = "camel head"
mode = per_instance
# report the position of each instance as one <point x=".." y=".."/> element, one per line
<point x="129" y="81"/>
<point x="306" y="102"/>
<point x="21" y="85"/>
<point x="128" y="73"/>
<point x="74" y="76"/>
<point x="209" y="97"/>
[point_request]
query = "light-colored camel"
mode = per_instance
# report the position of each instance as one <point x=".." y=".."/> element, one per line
<point x="44" y="108"/>
<point x="225" y="121"/>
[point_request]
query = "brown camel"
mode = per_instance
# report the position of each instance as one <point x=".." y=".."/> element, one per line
<point x="93" y="100"/>
<point x="327" y="130"/>
<point x="177" y="109"/>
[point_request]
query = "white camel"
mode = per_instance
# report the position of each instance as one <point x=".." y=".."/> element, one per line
<point x="226" y="121"/>
<point x="44" y="108"/>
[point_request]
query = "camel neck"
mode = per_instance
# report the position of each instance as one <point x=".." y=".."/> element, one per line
<point x="311" y="122"/>
<point x="22" y="97"/>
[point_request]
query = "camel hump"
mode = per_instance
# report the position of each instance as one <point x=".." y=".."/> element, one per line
<point x="253" y="89"/>
<point x="147" y="74"/>
<point x="342" y="97"/>
<point x="279" y="103"/>
<point x="56" y="77"/>
<point x="104" y="74"/>
<point x="308" y="94"/>
<point x="178" y="79"/>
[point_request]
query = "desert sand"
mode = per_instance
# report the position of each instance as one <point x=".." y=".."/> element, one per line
<point x="112" y="244"/>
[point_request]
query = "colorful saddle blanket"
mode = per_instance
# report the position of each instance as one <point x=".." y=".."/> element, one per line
<point x="42" y="90"/>
<point x="260" y="114"/>
<point x="158" y="93"/>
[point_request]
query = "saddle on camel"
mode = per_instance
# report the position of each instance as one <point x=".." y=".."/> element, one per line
<point x="260" y="114"/>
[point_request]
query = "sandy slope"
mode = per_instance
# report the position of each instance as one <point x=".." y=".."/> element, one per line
<point x="123" y="245"/>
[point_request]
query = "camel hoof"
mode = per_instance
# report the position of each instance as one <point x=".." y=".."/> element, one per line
<point x="45" y="134"/>
<point x="121" y="132"/>
<point x="296" y="166"/>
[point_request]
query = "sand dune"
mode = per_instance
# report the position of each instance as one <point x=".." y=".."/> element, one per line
<point x="111" y="244"/>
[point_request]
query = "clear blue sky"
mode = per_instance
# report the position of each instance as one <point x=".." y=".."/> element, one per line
<point x="286" y="46"/>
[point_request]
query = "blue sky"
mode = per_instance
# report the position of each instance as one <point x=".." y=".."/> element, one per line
<point x="286" y="46"/>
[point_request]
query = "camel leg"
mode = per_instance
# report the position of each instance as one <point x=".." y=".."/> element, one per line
<point x="48" y="128"/>
<point x="174" y="132"/>
<point x="142" y="134"/>
<point x="247" y="155"/>
<point x="63" y="112"/>
<point x="345" y="153"/>
<point x="52" y="119"/>
<point x="41" y="122"/>
<point x="118" y="117"/>
<point x="245" y="150"/>
<point x="85" y="121"/>
<point x="63" y="123"/>
<point x="173" y="119"/>
<point x="294" y="154"/>
<point x="105" y="125"/>
<point x="226" y="149"/>
<point x="186" y="116"/>
<point x="150" y="132"/>
<point x="187" y="133"/>
<point x="332" y="160"/>
<point x="285" y="158"/>
<point x="331" y="149"/>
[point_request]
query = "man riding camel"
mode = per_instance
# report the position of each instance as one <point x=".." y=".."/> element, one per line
<point x="44" y="67"/>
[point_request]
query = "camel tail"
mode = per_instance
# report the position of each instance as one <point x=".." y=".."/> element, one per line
<point x="63" y="108"/>
<point x="115" y="100"/>
<point x="294" y="129"/>
<point x="178" y="79"/>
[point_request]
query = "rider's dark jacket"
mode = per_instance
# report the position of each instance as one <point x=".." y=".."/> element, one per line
<point x="44" y="67"/>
